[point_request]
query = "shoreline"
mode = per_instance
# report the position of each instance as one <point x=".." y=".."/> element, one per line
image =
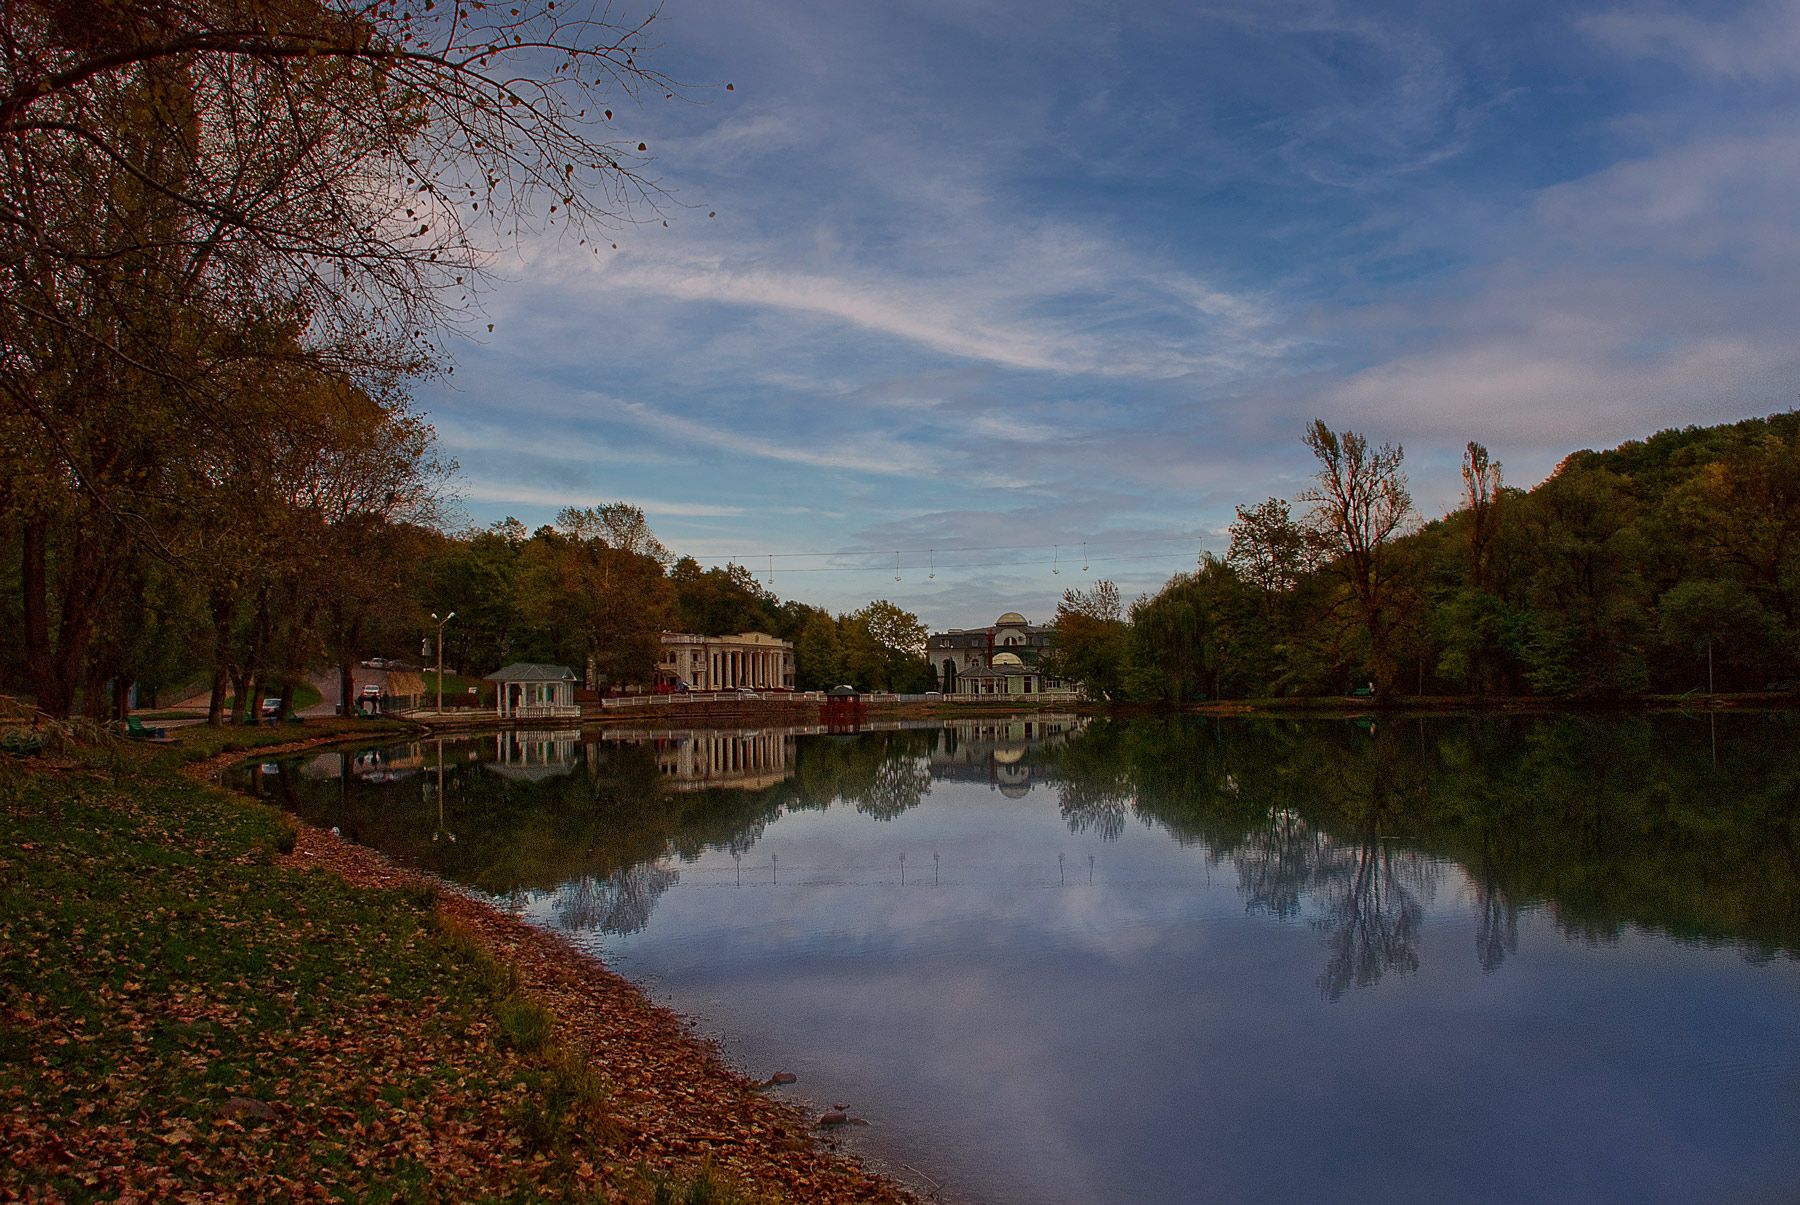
<point x="272" y="1056"/>
<point x="681" y="1102"/>
<point x="674" y="1096"/>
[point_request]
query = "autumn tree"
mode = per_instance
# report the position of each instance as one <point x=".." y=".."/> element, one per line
<point x="1360" y="504"/>
<point x="1481" y="495"/>
<point x="608" y="606"/>
<point x="188" y="186"/>
<point x="1089" y="644"/>
<point x="883" y="648"/>
<point x="1268" y="548"/>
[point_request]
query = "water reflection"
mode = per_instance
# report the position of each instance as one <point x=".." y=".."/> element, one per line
<point x="1129" y="960"/>
<point x="1606" y="823"/>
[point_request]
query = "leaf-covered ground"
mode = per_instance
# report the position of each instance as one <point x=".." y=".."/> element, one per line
<point x="198" y="1001"/>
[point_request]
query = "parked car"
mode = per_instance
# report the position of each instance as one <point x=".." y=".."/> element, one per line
<point x="376" y="663"/>
<point x="271" y="710"/>
<point x="745" y="692"/>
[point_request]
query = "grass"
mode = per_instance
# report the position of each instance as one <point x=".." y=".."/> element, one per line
<point x="455" y="684"/>
<point x="157" y="960"/>
<point x="305" y="695"/>
<point x="199" y="742"/>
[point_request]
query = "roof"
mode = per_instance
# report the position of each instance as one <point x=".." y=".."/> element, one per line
<point x="531" y="671"/>
<point x="1012" y="619"/>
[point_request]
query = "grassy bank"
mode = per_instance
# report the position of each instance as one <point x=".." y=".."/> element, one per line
<point x="194" y="1004"/>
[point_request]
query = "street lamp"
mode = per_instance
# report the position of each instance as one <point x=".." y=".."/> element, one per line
<point x="440" y="652"/>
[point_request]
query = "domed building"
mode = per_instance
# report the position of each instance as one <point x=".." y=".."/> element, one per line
<point x="997" y="661"/>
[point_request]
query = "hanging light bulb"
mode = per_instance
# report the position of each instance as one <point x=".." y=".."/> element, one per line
<point x="931" y="560"/>
<point x="1084" y="560"/>
<point x="1055" y="558"/>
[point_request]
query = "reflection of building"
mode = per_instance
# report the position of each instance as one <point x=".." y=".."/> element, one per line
<point x="528" y="691"/>
<point x="534" y="755"/>
<point x="388" y="765"/>
<point x="694" y="761"/>
<point x="754" y="660"/>
<point x="998" y="661"/>
<point x="996" y="752"/>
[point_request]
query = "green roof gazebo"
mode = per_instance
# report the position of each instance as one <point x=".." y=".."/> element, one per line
<point x="527" y="690"/>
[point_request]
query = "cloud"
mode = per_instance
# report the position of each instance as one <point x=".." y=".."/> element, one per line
<point x="1757" y="42"/>
<point x="506" y="492"/>
<point x="873" y="454"/>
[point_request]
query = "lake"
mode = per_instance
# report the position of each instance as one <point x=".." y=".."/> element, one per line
<point x="1183" y="959"/>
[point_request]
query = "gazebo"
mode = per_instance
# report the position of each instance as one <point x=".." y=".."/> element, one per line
<point x="527" y="690"/>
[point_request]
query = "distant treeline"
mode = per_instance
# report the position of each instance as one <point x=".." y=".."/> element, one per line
<point x="1666" y="565"/>
<point x="1669" y="565"/>
<point x="250" y="592"/>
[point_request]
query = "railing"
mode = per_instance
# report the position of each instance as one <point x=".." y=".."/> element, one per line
<point x="711" y="696"/>
<point x="546" y="711"/>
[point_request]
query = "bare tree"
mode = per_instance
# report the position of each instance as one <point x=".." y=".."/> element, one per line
<point x="1360" y="502"/>
<point x="1481" y="492"/>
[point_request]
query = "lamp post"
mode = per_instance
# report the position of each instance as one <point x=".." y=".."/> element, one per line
<point x="440" y="654"/>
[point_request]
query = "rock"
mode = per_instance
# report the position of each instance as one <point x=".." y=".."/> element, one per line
<point x="784" y="1077"/>
<point x="837" y="1117"/>
<point x="247" y="1109"/>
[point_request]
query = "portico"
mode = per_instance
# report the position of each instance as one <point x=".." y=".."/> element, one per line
<point x="748" y="660"/>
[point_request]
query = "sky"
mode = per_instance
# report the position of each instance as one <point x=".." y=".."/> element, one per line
<point x="1003" y="298"/>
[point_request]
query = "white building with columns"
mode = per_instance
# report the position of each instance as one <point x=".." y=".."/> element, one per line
<point x="749" y="660"/>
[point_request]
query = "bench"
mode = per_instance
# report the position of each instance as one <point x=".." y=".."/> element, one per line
<point x="136" y="730"/>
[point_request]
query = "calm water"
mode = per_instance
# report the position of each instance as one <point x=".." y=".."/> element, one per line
<point x="1489" y="959"/>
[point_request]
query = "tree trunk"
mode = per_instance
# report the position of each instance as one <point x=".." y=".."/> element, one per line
<point x="34" y="584"/>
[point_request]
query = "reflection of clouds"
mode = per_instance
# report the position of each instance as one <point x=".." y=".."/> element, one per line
<point x="620" y="902"/>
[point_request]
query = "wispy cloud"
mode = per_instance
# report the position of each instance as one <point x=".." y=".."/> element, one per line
<point x="511" y="493"/>
<point x="1756" y="41"/>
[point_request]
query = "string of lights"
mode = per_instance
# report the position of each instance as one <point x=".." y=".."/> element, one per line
<point x="1075" y="557"/>
<point x="1063" y="566"/>
<point x="1039" y="545"/>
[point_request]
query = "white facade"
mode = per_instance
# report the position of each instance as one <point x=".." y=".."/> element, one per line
<point x="750" y="660"/>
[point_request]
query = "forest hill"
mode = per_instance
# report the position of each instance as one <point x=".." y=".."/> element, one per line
<point x="1654" y="567"/>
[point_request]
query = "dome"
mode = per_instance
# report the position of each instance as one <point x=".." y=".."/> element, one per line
<point x="1007" y="659"/>
<point x="1012" y="619"/>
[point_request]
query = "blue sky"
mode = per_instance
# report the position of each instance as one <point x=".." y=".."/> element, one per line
<point x="1020" y="277"/>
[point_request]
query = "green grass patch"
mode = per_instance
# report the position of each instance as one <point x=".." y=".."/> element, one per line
<point x="456" y="684"/>
<point x="197" y="742"/>
<point x="183" y="1013"/>
<point x="305" y="695"/>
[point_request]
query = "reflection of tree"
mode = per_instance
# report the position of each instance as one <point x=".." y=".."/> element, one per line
<point x="1373" y="913"/>
<point x="1496" y="915"/>
<point x="1276" y="863"/>
<point x="1496" y="925"/>
<point x="1095" y="787"/>
<point x="898" y="784"/>
<point x="616" y="903"/>
<point x="1370" y="887"/>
